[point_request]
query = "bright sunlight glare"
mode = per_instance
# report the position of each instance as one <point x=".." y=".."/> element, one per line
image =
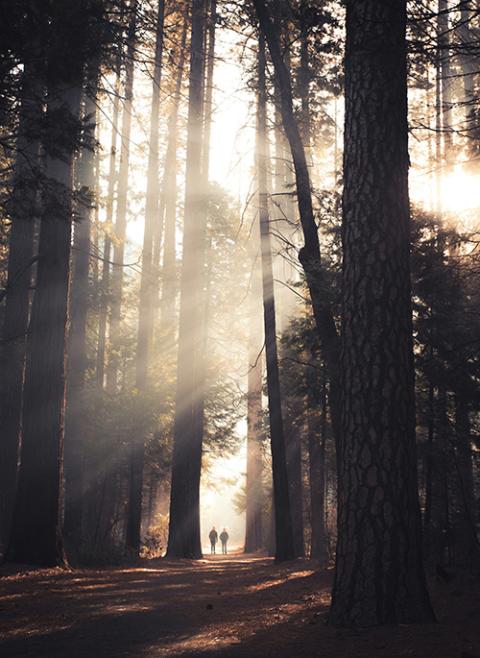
<point x="460" y="190"/>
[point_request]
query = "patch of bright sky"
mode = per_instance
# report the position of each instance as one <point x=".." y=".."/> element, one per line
<point x="225" y="479"/>
<point x="233" y="138"/>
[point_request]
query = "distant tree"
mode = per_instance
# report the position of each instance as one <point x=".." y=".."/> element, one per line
<point x="254" y="534"/>
<point x="184" y="529"/>
<point x="309" y="254"/>
<point x="122" y="199"/>
<point x="284" y="542"/>
<point x="80" y="298"/>
<point x="147" y="293"/>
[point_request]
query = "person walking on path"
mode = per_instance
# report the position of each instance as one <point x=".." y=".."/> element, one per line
<point x="213" y="539"/>
<point x="224" y="539"/>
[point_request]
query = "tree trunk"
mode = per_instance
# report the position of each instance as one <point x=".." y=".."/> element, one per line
<point x="75" y="440"/>
<point x="317" y="427"/>
<point x="107" y="248"/>
<point x="204" y="294"/>
<point x="379" y="577"/>
<point x="309" y="255"/>
<point x="147" y="300"/>
<point x="283" y="520"/>
<point x="20" y="262"/>
<point x="122" y="203"/>
<point x="169" y="274"/>
<point x="254" y="489"/>
<point x="446" y="78"/>
<point x="468" y="64"/>
<point x="467" y="551"/>
<point x="437" y="527"/>
<point x="429" y="457"/>
<point x="293" y="446"/>
<point x="37" y="527"/>
<point x="184" y="528"/>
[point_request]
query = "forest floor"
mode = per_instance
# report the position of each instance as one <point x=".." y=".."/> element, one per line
<point x="222" y="606"/>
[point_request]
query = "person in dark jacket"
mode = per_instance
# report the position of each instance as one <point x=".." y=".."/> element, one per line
<point x="213" y="539"/>
<point x="224" y="539"/>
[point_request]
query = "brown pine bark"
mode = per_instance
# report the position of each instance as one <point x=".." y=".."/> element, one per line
<point x="379" y="577"/>
<point x="20" y="263"/>
<point x="284" y="545"/>
<point x="184" y="527"/>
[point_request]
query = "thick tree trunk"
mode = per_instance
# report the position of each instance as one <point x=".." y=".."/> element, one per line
<point x="184" y="529"/>
<point x="75" y="435"/>
<point x="309" y="255"/>
<point x="254" y="488"/>
<point x="20" y="263"/>
<point x="37" y="527"/>
<point x="122" y="204"/>
<point x="147" y="298"/>
<point x="379" y="577"/>
<point x="284" y="549"/>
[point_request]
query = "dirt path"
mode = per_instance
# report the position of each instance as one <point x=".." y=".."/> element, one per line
<point x="238" y="606"/>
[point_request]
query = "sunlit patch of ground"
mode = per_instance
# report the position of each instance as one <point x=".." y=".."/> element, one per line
<point x="226" y="607"/>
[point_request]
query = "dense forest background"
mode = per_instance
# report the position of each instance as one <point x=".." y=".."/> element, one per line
<point x="172" y="286"/>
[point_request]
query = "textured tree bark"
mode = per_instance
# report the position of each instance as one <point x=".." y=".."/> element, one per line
<point x="122" y="203"/>
<point x="309" y="255"/>
<point x="284" y="545"/>
<point x="379" y="575"/>
<point x="75" y="434"/>
<point x="20" y="261"/>
<point x="184" y="527"/>
<point x="37" y="527"/>
<point x="254" y="489"/>
<point x="147" y="297"/>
